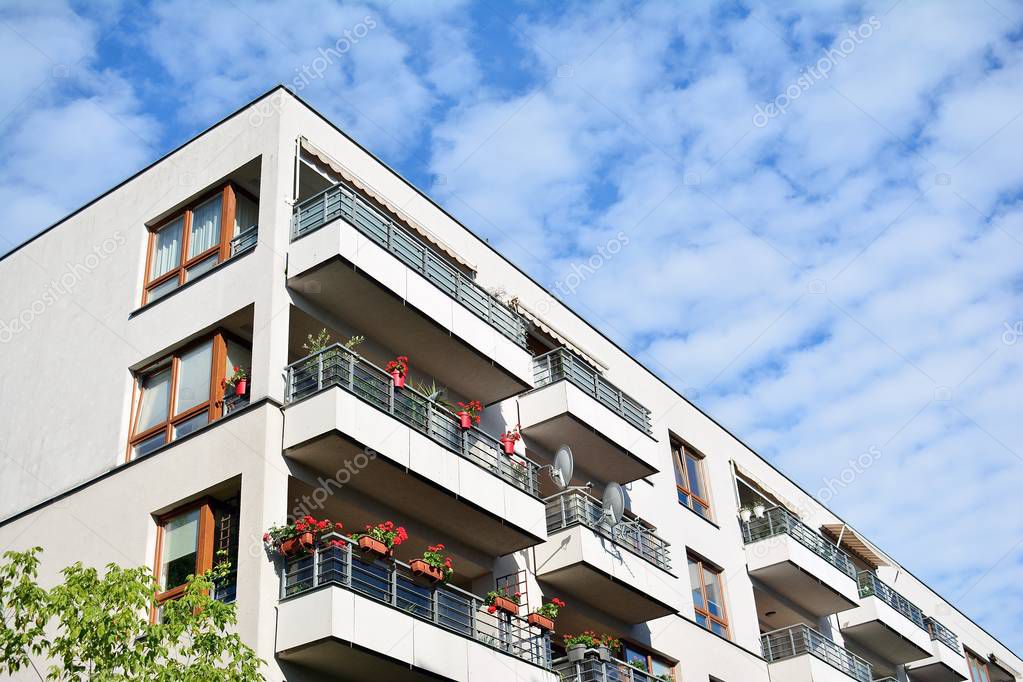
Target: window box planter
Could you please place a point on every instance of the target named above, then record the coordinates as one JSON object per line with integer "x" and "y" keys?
{"x": 542, "y": 622}
{"x": 373, "y": 549}
{"x": 506, "y": 605}
{"x": 576, "y": 653}
{"x": 297, "y": 545}
{"x": 423, "y": 570}
{"x": 464, "y": 419}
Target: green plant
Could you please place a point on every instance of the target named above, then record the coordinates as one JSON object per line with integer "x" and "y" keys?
{"x": 502, "y": 593}
{"x": 612, "y": 643}
{"x": 587, "y": 638}
{"x": 385, "y": 532}
{"x": 550, "y": 609}
{"x": 315, "y": 344}
{"x": 433, "y": 557}
{"x": 474, "y": 409}
{"x": 238, "y": 375}
{"x": 642, "y": 667}
{"x": 276, "y": 535}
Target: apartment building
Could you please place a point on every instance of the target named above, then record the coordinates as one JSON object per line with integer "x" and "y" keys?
{"x": 122, "y": 444}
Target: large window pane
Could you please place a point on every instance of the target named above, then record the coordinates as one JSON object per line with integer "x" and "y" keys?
{"x": 693, "y": 469}
{"x": 246, "y": 213}
{"x": 191, "y": 424}
{"x": 155, "y": 396}
{"x": 713, "y": 594}
{"x": 696, "y": 580}
{"x": 167, "y": 249}
{"x": 180, "y": 549}
{"x": 194, "y": 377}
{"x": 237, "y": 356}
{"x": 205, "y": 232}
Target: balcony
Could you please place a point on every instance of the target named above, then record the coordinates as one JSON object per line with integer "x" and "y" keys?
{"x": 347, "y": 618}
{"x": 947, "y": 664}
{"x": 886, "y": 622}
{"x": 357, "y": 263}
{"x": 339, "y": 406}
{"x": 786, "y": 555}
{"x": 592, "y": 669}
{"x": 572, "y": 403}
{"x": 801, "y": 654}
{"x": 245, "y": 240}
{"x": 622, "y": 571}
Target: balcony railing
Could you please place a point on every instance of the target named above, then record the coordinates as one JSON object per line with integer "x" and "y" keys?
{"x": 800, "y": 640}
{"x": 340, "y": 201}
{"x": 778, "y": 521}
{"x": 940, "y": 633}
{"x": 336, "y": 561}
{"x": 871, "y": 585}
{"x": 245, "y": 240}
{"x": 341, "y": 367}
{"x": 592, "y": 669}
{"x": 572, "y": 507}
{"x": 561, "y": 364}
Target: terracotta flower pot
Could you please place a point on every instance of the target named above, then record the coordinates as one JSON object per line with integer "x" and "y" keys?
{"x": 576, "y": 653}
{"x": 398, "y": 378}
{"x": 464, "y": 420}
{"x": 297, "y": 545}
{"x": 506, "y": 605}
{"x": 241, "y": 386}
{"x": 373, "y": 548}
{"x": 542, "y": 622}
{"x": 421, "y": 569}
{"x": 509, "y": 446}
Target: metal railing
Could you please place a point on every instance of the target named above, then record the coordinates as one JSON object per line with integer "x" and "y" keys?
{"x": 245, "y": 240}
{"x": 571, "y": 507}
{"x": 871, "y": 585}
{"x": 336, "y": 561}
{"x": 341, "y": 367}
{"x": 341, "y": 201}
{"x": 940, "y": 633}
{"x": 592, "y": 669}
{"x": 561, "y": 364}
{"x": 778, "y": 521}
{"x": 800, "y": 640}
{"x": 233, "y": 403}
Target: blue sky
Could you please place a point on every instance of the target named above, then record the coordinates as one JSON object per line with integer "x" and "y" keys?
{"x": 813, "y": 211}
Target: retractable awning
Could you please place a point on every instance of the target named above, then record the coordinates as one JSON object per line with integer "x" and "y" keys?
{"x": 854, "y": 543}
{"x": 364, "y": 188}
{"x": 563, "y": 339}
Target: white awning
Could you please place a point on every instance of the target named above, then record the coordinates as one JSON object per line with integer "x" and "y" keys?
{"x": 557, "y": 335}
{"x": 851, "y": 541}
{"x": 352, "y": 179}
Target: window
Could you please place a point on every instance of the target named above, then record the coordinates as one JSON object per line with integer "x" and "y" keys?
{"x": 708, "y": 596}
{"x": 978, "y": 669}
{"x": 689, "y": 479}
{"x": 188, "y": 541}
{"x": 652, "y": 663}
{"x": 195, "y": 241}
{"x": 182, "y": 392}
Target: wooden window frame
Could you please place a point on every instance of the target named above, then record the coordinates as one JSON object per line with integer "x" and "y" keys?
{"x": 679, "y": 448}
{"x": 213, "y": 405}
{"x": 975, "y": 661}
{"x": 722, "y": 620}
{"x": 650, "y": 656}
{"x": 221, "y": 251}
{"x": 204, "y": 549}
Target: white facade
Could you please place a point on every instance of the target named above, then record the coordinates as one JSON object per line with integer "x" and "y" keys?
{"x": 342, "y": 443}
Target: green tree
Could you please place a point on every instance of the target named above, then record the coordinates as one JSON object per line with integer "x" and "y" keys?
{"x": 97, "y": 627}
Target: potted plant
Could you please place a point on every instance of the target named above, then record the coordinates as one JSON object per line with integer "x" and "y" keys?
{"x": 576, "y": 645}
{"x": 759, "y": 509}
{"x": 608, "y": 646}
{"x": 239, "y": 380}
{"x": 398, "y": 369}
{"x": 434, "y": 566}
{"x": 469, "y": 414}
{"x": 745, "y": 513}
{"x": 299, "y": 537}
{"x": 379, "y": 541}
{"x": 544, "y": 616}
{"x": 503, "y": 600}
{"x": 508, "y": 440}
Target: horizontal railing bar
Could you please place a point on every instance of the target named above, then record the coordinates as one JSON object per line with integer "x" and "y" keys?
{"x": 778, "y": 521}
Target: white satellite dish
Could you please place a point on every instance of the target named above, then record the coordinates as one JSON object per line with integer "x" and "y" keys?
{"x": 614, "y": 503}
{"x": 563, "y": 467}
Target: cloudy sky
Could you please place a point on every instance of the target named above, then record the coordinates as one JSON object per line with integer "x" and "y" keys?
{"x": 815, "y": 211}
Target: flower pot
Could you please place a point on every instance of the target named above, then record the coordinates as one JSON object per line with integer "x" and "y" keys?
{"x": 745, "y": 515}
{"x": 604, "y": 653}
{"x": 576, "y": 653}
{"x": 398, "y": 378}
{"x": 421, "y": 569}
{"x": 508, "y": 445}
{"x": 506, "y": 605}
{"x": 373, "y": 549}
{"x": 297, "y": 545}
{"x": 758, "y": 511}
{"x": 542, "y": 622}
{"x": 464, "y": 420}
{"x": 241, "y": 386}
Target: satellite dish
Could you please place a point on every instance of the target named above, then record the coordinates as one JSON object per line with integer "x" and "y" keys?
{"x": 614, "y": 503}
{"x": 563, "y": 467}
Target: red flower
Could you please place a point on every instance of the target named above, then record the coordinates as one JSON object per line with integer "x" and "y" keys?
{"x": 266, "y": 537}
{"x": 491, "y": 609}
{"x": 338, "y": 526}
